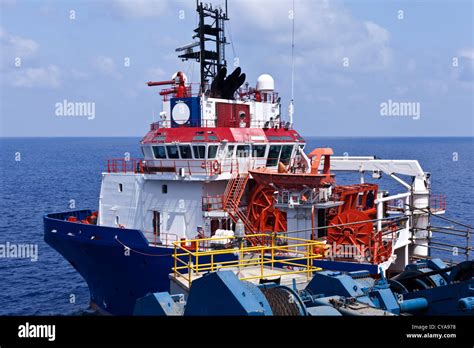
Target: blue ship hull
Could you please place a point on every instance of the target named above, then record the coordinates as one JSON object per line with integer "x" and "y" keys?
{"x": 116, "y": 278}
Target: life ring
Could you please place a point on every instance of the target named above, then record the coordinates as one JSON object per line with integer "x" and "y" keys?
{"x": 203, "y": 165}
{"x": 121, "y": 226}
{"x": 216, "y": 166}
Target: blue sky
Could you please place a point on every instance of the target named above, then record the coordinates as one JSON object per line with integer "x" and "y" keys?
{"x": 401, "y": 51}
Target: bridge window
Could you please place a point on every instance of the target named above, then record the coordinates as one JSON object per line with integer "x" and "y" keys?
{"x": 172, "y": 151}
{"x": 185, "y": 151}
{"x": 243, "y": 150}
{"x": 286, "y": 154}
{"x": 212, "y": 151}
{"x": 280, "y": 138}
{"x": 199, "y": 151}
{"x": 120, "y": 187}
{"x": 147, "y": 151}
{"x": 273, "y": 155}
{"x": 259, "y": 150}
{"x": 159, "y": 152}
{"x": 230, "y": 151}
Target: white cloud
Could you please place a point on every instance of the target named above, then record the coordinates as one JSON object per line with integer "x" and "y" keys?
{"x": 7, "y": 2}
{"x": 465, "y": 70}
{"x": 23, "y": 75}
{"x": 467, "y": 53}
{"x": 49, "y": 77}
{"x": 153, "y": 8}
{"x": 13, "y": 46}
{"x": 78, "y": 74}
{"x": 142, "y": 8}
{"x": 325, "y": 32}
{"x": 157, "y": 74}
{"x": 106, "y": 66}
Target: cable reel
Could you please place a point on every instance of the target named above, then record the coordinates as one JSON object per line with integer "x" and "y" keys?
{"x": 284, "y": 301}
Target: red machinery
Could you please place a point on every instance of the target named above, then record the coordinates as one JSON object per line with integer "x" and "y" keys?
{"x": 262, "y": 213}
{"x": 350, "y": 223}
{"x": 179, "y": 89}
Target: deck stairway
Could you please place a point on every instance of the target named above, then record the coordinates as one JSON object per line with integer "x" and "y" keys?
{"x": 232, "y": 197}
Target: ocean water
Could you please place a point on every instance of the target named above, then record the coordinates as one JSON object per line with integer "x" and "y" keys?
{"x": 43, "y": 175}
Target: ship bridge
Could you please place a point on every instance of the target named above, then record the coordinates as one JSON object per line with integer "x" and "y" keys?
{"x": 217, "y": 150}
{"x": 227, "y": 129}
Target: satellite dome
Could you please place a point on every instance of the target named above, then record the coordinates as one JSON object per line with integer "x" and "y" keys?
{"x": 265, "y": 83}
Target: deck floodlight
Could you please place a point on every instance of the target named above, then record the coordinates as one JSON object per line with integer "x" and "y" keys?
{"x": 239, "y": 229}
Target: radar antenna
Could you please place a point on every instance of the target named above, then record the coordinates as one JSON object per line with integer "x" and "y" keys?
{"x": 210, "y": 31}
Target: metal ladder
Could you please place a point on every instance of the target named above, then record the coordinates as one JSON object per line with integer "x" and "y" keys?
{"x": 232, "y": 197}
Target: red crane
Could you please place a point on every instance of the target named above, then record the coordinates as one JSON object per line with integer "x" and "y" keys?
{"x": 179, "y": 88}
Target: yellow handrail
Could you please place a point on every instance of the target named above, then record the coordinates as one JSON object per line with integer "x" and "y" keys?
{"x": 201, "y": 258}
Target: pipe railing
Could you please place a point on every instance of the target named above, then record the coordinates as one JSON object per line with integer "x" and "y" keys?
{"x": 212, "y": 203}
{"x": 207, "y": 167}
{"x": 215, "y": 122}
{"x": 195, "y": 257}
{"x": 456, "y": 247}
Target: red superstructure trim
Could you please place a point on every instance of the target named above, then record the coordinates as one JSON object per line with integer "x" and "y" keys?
{"x": 218, "y": 134}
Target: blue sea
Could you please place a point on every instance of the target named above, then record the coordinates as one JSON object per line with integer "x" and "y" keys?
{"x": 43, "y": 175}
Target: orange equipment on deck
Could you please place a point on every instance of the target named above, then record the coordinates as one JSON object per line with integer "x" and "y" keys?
{"x": 262, "y": 213}
{"x": 350, "y": 224}
{"x": 267, "y": 177}
{"x": 316, "y": 155}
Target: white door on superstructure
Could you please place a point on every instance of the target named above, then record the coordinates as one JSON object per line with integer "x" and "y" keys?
{"x": 177, "y": 225}
{"x": 156, "y": 222}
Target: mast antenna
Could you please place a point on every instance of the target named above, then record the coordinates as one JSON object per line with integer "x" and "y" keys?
{"x": 291, "y": 108}
{"x": 209, "y": 49}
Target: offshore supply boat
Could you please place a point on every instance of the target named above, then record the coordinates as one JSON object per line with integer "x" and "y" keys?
{"x": 222, "y": 160}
